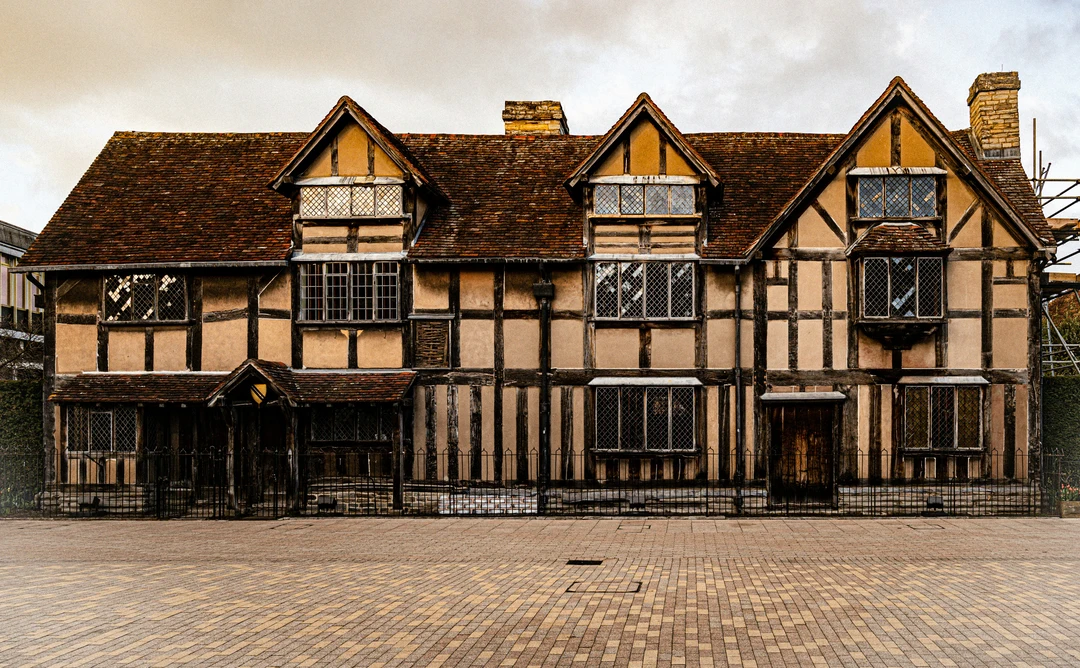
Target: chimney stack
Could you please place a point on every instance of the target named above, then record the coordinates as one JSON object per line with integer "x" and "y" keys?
{"x": 995, "y": 119}
{"x": 544, "y": 117}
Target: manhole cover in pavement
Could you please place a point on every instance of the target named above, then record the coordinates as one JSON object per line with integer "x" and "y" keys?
{"x": 584, "y": 562}
{"x": 605, "y": 587}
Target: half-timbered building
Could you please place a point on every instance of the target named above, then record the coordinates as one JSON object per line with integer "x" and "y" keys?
{"x": 781, "y": 314}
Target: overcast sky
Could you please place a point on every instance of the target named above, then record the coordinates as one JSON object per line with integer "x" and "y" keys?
{"x": 72, "y": 73}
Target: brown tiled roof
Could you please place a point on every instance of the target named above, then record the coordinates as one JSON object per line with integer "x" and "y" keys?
{"x": 759, "y": 172}
{"x": 1007, "y": 174}
{"x": 897, "y": 238}
{"x": 143, "y": 387}
{"x": 169, "y": 198}
{"x": 506, "y": 196}
{"x": 323, "y": 386}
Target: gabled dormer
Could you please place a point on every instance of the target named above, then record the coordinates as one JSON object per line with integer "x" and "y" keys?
{"x": 352, "y": 171}
{"x": 643, "y": 188}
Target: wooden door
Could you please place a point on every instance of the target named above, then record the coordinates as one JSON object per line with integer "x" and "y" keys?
{"x": 801, "y": 451}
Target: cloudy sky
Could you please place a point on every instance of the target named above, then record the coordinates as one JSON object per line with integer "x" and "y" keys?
{"x": 74, "y": 72}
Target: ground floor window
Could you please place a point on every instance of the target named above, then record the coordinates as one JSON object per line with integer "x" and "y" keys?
{"x": 96, "y": 429}
{"x": 638, "y": 419}
{"x": 942, "y": 417}
{"x": 351, "y": 423}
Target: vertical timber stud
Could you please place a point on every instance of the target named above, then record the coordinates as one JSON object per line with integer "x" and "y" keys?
{"x": 826, "y": 315}
{"x": 455, "y": 324}
{"x": 544, "y": 291}
{"x": 760, "y": 346}
{"x": 48, "y": 365}
{"x": 987, "y": 292}
{"x": 740, "y": 468}
{"x": 567, "y": 414}
{"x": 102, "y": 345}
{"x": 874, "y": 469}
{"x": 398, "y": 500}
{"x": 793, "y": 314}
{"x": 497, "y": 404}
{"x": 1034, "y": 398}
{"x": 253, "y": 317}
{"x": 521, "y": 434}
{"x": 476, "y": 432}
{"x": 852, "y": 277}
{"x": 452, "y": 432}
{"x": 1009, "y": 459}
{"x": 353, "y": 356}
{"x": 297, "y": 333}
{"x": 431, "y": 462}
{"x": 195, "y": 332}
{"x": 894, "y": 139}
{"x": 148, "y": 349}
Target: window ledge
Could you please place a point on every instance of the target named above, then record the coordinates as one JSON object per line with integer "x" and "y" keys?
{"x": 899, "y": 334}
{"x": 147, "y": 323}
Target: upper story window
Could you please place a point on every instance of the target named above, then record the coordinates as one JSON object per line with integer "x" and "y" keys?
{"x": 902, "y": 287}
{"x": 101, "y": 430}
{"x": 348, "y": 291}
{"x": 897, "y": 196}
{"x": 652, "y": 419}
{"x": 942, "y": 417}
{"x": 645, "y": 290}
{"x": 351, "y": 201}
{"x": 643, "y": 200}
{"x": 145, "y": 297}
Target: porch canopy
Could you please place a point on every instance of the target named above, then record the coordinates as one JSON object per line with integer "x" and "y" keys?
{"x": 275, "y": 381}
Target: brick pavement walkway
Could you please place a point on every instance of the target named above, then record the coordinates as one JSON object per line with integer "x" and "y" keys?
{"x": 500, "y": 592}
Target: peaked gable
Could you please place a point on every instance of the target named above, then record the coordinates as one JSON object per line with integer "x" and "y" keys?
{"x": 630, "y": 122}
{"x": 383, "y": 143}
{"x": 897, "y": 94}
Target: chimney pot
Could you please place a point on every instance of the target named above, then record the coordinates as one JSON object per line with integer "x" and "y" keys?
{"x": 544, "y": 117}
{"x": 995, "y": 117}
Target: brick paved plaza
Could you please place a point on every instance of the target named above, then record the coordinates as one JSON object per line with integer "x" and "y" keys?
{"x": 500, "y": 592}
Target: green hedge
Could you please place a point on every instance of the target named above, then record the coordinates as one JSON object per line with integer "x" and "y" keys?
{"x": 1061, "y": 415}
{"x": 22, "y": 456}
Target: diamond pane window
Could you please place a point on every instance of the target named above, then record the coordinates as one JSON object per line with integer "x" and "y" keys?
{"x": 344, "y": 423}
{"x": 942, "y": 416}
{"x": 902, "y": 291}
{"x": 656, "y": 293}
{"x": 322, "y": 424}
{"x": 632, "y": 418}
{"x": 607, "y": 290}
{"x": 388, "y": 200}
{"x": 78, "y": 425}
{"x": 126, "y": 426}
{"x": 968, "y": 412}
{"x": 313, "y": 201}
{"x": 632, "y": 200}
{"x": 348, "y": 423}
{"x": 916, "y": 416}
{"x": 682, "y": 418}
{"x": 923, "y": 196}
{"x": 607, "y": 418}
{"x": 632, "y": 281}
{"x": 897, "y": 196}
{"x": 871, "y": 198}
{"x": 101, "y": 431}
{"x": 929, "y": 287}
{"x": 344, "y": 291}
{"x": 682, "y": 290}
{"x": 656, "y": 200}
{"x": 682, "y": 200}
{"x": 367, "y": 423}
{"x": 653, "y": 290}
{"x": 876, "y": 287}
{"x": 338, "y": 201}
{"x": 606, "y": 200}
{"x": 645, "y": 419}
{"x": 363, "y": 201}
{"x": 145, "y": 297}
{"x": 657, "y": 412}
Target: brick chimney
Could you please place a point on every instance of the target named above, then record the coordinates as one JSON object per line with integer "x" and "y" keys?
{"x": 995, "y": 120}
{"x": 544, "y": 117}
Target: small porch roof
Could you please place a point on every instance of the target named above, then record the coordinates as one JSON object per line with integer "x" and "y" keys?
{"x": 319, "y": 386}
{"x": 152, "y": 387}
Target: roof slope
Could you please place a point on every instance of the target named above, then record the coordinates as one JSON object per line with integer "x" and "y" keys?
{"x": 506, "y": 196}
{"x": 174, "y": 197}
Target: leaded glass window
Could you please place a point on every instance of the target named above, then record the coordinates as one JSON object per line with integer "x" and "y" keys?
{"x": 645, "y": 419}
{"x": 942, "y": 417}
{"x": 144, "y": 297}
{"x": 348, "y": 423}
{"x": 101, "y": 430}
{"x": 904, "y": 287}
{"x": 352, "y": 201}
{"x": 897, "y": 196}
{"x": 648, "y": 200}
{"x": 349, "y": 291}
{"x": 644, "y": 290}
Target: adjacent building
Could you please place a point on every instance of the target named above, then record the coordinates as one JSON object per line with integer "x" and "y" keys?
{"x": 796, "y": 314}
{"x": 20, "y": 308}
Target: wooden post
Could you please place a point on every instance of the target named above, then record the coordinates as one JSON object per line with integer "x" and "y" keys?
{"x": 545, "y": 293}
{"x": 399, "y": 461}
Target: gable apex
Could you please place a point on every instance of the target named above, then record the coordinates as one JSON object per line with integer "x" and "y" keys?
{"x": 643, "y": 106}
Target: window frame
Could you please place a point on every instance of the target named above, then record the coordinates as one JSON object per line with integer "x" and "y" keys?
{"x": 621, "y": 391}
{"x": 89, "y": 410}
{"x": 180, "y": 279}
{"x": 957, "y": 418}
{"x": 352, "y": 294}
{"x": 620, "y": 213}
{"x": 375, "y": 188}
{"x": 890, "y": 317}
{"x": 385, "y": 419}
{"x": 644, "y": 317}
{"x": 910, "y": 215}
